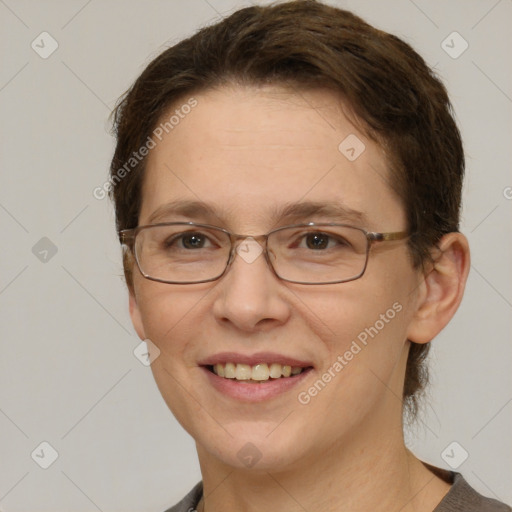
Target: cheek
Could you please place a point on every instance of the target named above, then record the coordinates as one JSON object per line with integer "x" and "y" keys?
{"x": 362, "y": 361}
{"x": 364, "y": 331}
{"x": 169, "y": 320}
{"x": 164, "y": 314}
{"x": 355, "y": 315}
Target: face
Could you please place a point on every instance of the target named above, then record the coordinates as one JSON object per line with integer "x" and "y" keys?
{"x": 247, "y": 152}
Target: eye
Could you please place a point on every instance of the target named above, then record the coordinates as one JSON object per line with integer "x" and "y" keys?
{"x": 187, "y": 240}
{"x": 316, "y": 240}
{"x": 320, "y": 241}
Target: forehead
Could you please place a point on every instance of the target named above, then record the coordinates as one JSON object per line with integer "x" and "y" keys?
{"x": 249, "y": 153}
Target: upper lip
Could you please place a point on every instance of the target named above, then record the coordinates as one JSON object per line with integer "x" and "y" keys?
{"x": 252, "y": 359}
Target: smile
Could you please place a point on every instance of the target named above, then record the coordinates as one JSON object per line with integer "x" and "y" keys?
{"x": 256, "y": 373}
{"x": 254, "y": 377}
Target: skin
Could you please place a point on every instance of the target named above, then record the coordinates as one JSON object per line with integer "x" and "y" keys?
{"x": 245, "y": 150}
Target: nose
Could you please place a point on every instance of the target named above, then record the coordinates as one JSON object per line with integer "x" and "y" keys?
{"x": 251, "y": 296}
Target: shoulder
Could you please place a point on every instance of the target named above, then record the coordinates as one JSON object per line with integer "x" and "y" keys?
{"x": 190, "y": 501}
{"x": 463, "y": 498}
{"x": 460, "y": 498}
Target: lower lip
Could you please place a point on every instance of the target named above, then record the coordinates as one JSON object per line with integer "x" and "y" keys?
{"x": 252, "y": 392}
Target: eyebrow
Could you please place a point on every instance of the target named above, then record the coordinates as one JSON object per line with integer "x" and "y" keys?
{"x": 199, "y": 210}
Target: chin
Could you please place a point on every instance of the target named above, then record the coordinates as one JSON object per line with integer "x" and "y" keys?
{"x": 254, "y": 457}
{"x": 254, "y": 446}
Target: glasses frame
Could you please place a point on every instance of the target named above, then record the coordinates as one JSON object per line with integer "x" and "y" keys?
{"x": 127, "y": 237}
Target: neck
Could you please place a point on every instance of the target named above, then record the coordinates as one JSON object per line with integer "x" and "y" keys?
{"x": 371, "y": 471}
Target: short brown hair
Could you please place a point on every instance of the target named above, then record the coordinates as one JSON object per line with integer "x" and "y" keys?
{"x": 306, "y": 44}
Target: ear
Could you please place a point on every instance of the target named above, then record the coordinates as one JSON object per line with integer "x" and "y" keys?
{"x": 442, "y": 288}
{"x": 136, "y": 315}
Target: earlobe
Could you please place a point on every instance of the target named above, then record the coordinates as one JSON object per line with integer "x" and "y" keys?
{"x": 136, "y": 315}
{"x": 442, "y": 289}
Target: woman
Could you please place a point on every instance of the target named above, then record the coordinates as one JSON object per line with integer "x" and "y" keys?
{"x": 287, "y": 186}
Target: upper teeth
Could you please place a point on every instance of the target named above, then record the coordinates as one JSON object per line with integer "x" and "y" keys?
{"x": 261, "y": 371}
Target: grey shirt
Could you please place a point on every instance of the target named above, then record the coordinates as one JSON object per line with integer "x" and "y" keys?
{"x": 460, "y": 498}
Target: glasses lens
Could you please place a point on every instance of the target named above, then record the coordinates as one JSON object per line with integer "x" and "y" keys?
{"x": 318, "y": 254}
{"x": 182, "y": 253}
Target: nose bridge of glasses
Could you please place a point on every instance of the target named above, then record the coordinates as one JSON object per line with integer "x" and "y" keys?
{"x": 247, "y": 247}
{"x": 241, "y": 243}
{"x": 237, "y": 238}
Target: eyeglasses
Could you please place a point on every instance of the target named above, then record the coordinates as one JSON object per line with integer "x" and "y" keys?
{"x": 189, "y": 253}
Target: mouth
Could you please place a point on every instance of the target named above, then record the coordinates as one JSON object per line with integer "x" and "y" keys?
{"x": 254, "y": 378}
{"x": 258, "y": 373}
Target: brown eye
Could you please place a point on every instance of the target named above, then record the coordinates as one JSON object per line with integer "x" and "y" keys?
{"x": 190, "y": 240}
{"x": 320, "y": 241}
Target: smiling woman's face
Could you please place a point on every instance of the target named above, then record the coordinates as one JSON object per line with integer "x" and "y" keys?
{"x": 248, "y": 152}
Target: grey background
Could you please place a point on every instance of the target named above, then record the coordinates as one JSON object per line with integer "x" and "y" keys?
{"x": 68, "y": 375}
